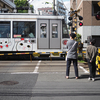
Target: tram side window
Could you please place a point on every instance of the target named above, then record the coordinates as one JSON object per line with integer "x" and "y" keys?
{"x": 4, "y": 29}
{"x": 54, "y": 30}
{"x": 43, "y": 28}
{"x": 24, "y": 29}
{"x": 65, "y": 33}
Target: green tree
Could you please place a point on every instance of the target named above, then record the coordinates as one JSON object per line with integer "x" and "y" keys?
{"x": 78, "y": 37}
{"x": 22, "y": 3}
{"x": 31, "y": 6}
{"x": 80, "y": 44}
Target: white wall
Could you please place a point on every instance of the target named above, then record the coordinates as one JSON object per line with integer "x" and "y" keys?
{"x": 88, "y": 31}
{"x": 95, "y": 30}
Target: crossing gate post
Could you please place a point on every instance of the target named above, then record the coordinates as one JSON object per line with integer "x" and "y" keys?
{"x": 31, "y": 58}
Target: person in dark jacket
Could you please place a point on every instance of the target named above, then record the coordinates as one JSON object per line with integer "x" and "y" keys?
{"x": 72, "y": 55}
{"x": 91, "y": 54}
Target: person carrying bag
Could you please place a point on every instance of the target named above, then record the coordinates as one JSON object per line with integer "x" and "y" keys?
{"x": 72, "y": 55}
{"x": 70, "y": 49}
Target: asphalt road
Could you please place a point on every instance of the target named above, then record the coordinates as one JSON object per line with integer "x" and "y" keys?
{"x": 45, "y": 80}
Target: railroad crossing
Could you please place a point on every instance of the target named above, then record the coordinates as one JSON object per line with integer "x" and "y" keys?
{"x": 45, "y": 80}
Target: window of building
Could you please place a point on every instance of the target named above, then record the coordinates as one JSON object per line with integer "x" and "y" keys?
{"x": 24, "y": 29}
{"x": 54, "y": 30}
{"x": 65, "y": 33}
{"x": 95, "y": 7}
{"x": 43, "y": 28}
{"x": 4, "y": 29}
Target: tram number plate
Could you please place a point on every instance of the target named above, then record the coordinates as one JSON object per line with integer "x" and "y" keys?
{"x": 55, "y": 54}
{"x": 36, "y": 54}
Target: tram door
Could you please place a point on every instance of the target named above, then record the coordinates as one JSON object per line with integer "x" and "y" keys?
{"x": 43, "y": 34}
{"x": 55, "y": 31}
{"x": 49, "y": 34}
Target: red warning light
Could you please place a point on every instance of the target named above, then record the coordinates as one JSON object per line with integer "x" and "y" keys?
{"x": 80, "y": 24}
{"x": 98, "y": 17}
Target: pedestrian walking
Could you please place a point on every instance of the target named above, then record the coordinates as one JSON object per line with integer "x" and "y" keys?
{"x": 72, "y": 55}
{"x": 91, "y": 54}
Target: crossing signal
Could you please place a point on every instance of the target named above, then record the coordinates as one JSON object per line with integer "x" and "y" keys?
{"x": 70, "y": 23}
{"x": 98, "y": 15}
{"x": 80, "y": 24}
{"x": 70, "y": 18}
{"x": 80, "y": 18}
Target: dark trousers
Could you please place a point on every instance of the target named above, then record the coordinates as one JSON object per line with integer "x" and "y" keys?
{"x": 68, "y": 66}
{"x": 92, "y": 68}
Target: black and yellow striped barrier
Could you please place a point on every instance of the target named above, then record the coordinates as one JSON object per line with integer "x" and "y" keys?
{"x": 32, "y": 53}
{"x": 84, "y": 52}
{"x": 36, "y": 53}
{"x": 3, "y": 54}
{"x": 98, "y": 69}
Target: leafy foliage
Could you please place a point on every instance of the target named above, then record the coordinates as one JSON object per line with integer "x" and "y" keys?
{"x": 78, "y": 37}
{"x": 22, "y": 3}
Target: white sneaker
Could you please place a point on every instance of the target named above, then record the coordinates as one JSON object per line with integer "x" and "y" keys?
{"x": 89, "y": 78}
{"x": 93, "y": 79}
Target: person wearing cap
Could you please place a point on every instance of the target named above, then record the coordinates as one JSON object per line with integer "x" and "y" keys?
{"x": 72, "y": 55}
{"x": 91, "y": 53}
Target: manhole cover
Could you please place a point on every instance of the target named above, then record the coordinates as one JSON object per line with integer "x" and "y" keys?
{"x": 9, "y": 82}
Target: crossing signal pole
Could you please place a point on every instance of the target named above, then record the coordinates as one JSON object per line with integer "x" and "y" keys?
{"x": 73, "y": 20}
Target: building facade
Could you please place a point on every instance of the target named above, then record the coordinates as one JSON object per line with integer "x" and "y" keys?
{"x": 45, "y": 11}
{"x": 59, "y": 7}
{"x": 7, "y": 6}
{"x": 91, "y": 26}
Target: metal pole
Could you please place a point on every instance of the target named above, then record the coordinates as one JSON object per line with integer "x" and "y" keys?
{"x": 31, "y": 58}
{"x": 76, "y": 23}
{"x": 54, "y": 7}
{"x": 72, "y": 26}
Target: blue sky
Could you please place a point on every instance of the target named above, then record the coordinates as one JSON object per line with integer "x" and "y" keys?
{"x": 41, "y": 3}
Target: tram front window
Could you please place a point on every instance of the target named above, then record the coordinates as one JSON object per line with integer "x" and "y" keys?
{"x": 65, "y": 33}
{"x": 24, "y": 29}
{"x": 4, "y": 29}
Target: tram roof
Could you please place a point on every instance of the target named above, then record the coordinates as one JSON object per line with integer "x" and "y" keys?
{"x": 29, "y": 15}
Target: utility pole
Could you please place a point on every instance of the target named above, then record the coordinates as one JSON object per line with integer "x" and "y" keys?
{"x": 54, "y": 7}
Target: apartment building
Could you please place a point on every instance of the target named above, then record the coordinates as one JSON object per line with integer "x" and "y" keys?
{"x": 91, "y": 26}
{"x": 45, "y": 11}
{"x": 59, "y": 7}
{"x": 7, "y": 6}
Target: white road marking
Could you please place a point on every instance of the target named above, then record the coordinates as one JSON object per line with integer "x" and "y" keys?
{"x": 85, "y": 71}
{"x": 23, "y": 73}
{"x": 34, "y": 72}
{"x": 37, "y": 67}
